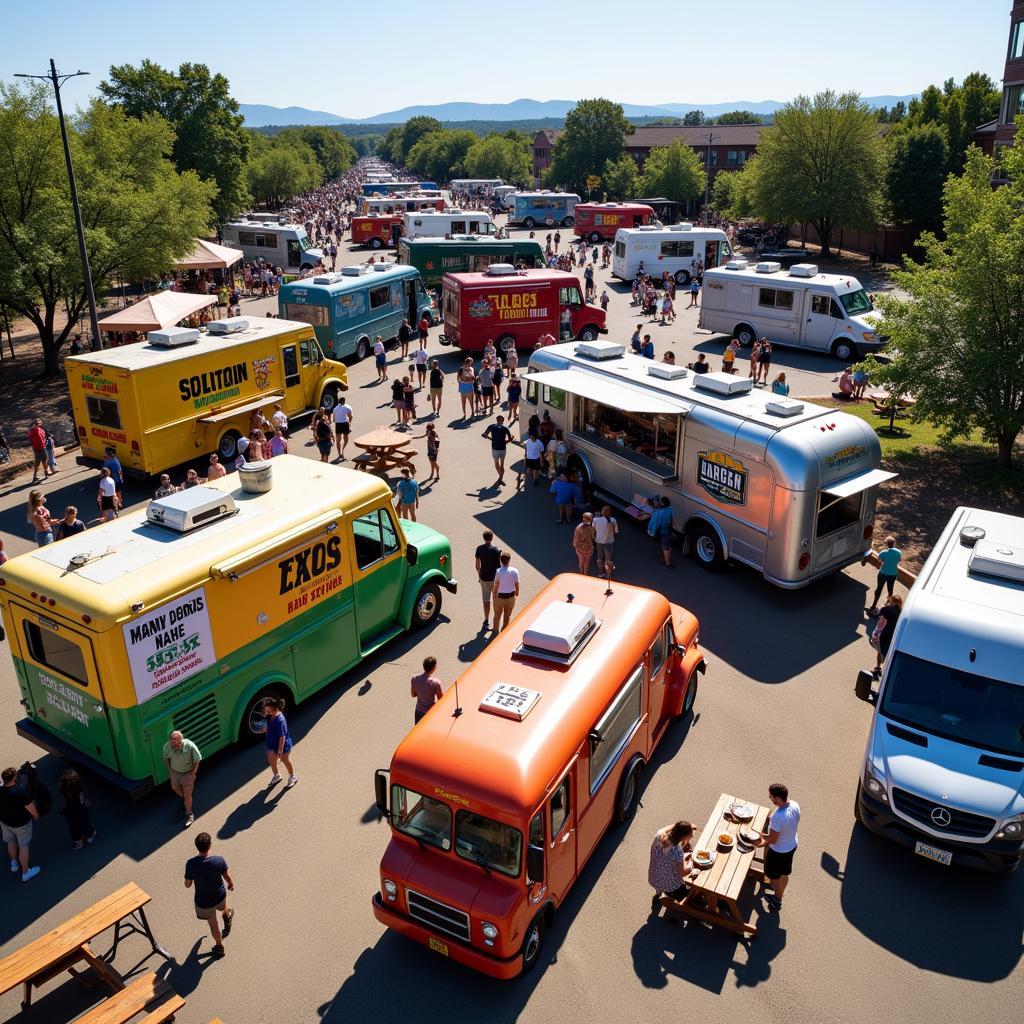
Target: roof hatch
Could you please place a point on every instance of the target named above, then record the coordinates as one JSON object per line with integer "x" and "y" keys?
{"x": 722, "y": 383}
{"x": 172, "y": 337}
{"x": 187, "y": 510}
{"x": 230, "y": 325}
{"x": 768, "y": 267}
{"x": 803, "y": 270}
{"x": 600, "y": 349}
{"x": 560, "y": 632}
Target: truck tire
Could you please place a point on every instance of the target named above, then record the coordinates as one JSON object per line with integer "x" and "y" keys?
{"x": 252, "y": 714}
{"x": 329, "y": 398}
{"x": 594, "y": 236}
{"x": 529, "y": 223}
{"x": 568, "y": 222}
{"x": 745, "y": 335}
{"x": 844, "y": 350}
{"x": 706, "y": 548}
{"x": 577, "y": 465}
{"x": 362, "y": 349}
{"x": 505, "y": 342}
{"x": 533, "y": 943}
{"x": 376, "y": 243}
{"x": 691, "y": 694}
{"x": 589, "y": 333}
{"x": 629, "y": 791}
{"x": 427, "y": 606}
{"x": 682, "y": 278}
{"x": 227, "y": 446}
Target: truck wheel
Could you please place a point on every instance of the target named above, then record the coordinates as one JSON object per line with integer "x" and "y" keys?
{"x": 253, "y": 714}
{"x": 568, "y": 222}
{"x": 682, "y": 277}
{"x": 843, "y": 350}
{"x": 529, "y": 223}
{"x": 706, "y": 548}
{"x": 691, "y": 694}
{"x": 576, "y": 465}
{"x": 362, "y": 349}
{"x": 329, "y": 399}
{"x": 594, "y": 236}
{"x": 533, "y": 943}
{"x": 745, "y": 335}
{"x": 588, "y": 333}
{"x": 227, "y": 447}
{"x": 427, "y": 607}
{"x": 376, "y": 243}
{"x": 629, "y": 792}
{"x": 505, "y": 342}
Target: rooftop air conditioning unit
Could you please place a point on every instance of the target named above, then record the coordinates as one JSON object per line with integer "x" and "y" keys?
{"x": 500, "y": 269}
{"x": 188, "y": 510}
{"x": 560, "y": 628}
{"x": 600, "y": 349}
{"x": 737, "y": 265}
{"x": 997, "y": 558}
{"x": 667, "y": 371}
{"x": 784, "y": 407}
{"x": 230, "y": 325}
{"x": 653, "y": 227}
{"x": 383, "y": 265}
{"x": 682, "y": 226}
{"x": 172, "y": 337}
{"x": 722, "y": 383}
{"x": 352, "y": 271}
{"x": 768, "y": 267}
{"x": 803, "y": 270}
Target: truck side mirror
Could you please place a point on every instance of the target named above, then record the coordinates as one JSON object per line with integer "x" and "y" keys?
{"x": 412, "y": 554}
{"x": 380, "y": 790}
{"x": 862, "y": 688}
{"x": 535, "y": 864}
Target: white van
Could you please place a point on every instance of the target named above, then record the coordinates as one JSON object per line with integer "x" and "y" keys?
{"x": 284, "y": 245}
{"x": 675, "y": 248}
{"x": 944, "y": 763}
{"x": 799, "y": 307}
{"x": 449, "y": 222}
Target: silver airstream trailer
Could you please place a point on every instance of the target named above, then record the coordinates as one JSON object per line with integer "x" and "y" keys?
{"x": 784, "y": 486}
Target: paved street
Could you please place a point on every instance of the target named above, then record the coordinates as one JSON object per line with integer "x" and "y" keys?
{"x": 867, "y": 928}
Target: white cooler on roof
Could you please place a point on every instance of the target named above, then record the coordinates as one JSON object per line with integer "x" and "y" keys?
{"x": 172, "y": 337}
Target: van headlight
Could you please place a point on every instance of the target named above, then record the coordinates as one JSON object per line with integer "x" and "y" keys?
{"x": 1012, "y": 829}
{"x": 390, "y": 889}
{"x": 869, "y": 336}
{"x": 490, "y": 931}
{"x": 874, "y": 783}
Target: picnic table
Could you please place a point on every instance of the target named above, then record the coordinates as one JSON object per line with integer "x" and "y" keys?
{"x": 384, "y": 449}
{"x": 714, "y": 893}
{"x": 67, "y": 945}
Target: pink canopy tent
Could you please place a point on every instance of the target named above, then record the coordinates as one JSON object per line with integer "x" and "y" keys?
{"x": 153, "y": 313}
{"x": 209, "y": 256}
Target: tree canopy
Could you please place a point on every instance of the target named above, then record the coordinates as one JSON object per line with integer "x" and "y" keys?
{"x": 497, "y": 156}
{"x": 595, "y": 132}
{"x": 440, "y": 155}
{"x": 333, "y": 152}
{"x": 621, "y": 178}
{"x": 914, "y": 176}
{"x": 675, "y": 172}
{"x": 282, "y": 167}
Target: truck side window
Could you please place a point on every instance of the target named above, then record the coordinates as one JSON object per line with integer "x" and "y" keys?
{"x": 290, "y": 361}
{"x": 104, "y": 412}
{"x": 560, "y": 807}
{"x": 380, "y": 296}
{"x": 537, "y": 830}
{"x": 366, "y": 533}
{"x": 820, "y": 305}
{"x": 388, "y": 533}
{"x": 310, "y": 353}
{"x": 56, "y": 652}
{"x": 658, "y": 654}
{"x": 837, "y": 311}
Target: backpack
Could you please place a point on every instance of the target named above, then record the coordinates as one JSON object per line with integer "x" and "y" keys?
{"x": 38, "y": 792}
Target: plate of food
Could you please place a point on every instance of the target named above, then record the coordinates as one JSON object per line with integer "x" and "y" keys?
{"x": 741, "y": 811}
{"x": 725, "y": 841}
{"x": 750, "y": 836}
{"x": 704, "y": 858}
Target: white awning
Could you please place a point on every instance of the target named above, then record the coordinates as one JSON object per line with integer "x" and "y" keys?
{"x": 858, "y": 483}
{"x": 608, "y": 392}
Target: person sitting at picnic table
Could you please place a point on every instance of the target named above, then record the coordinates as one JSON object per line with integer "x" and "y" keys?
{"x": 671, "y": 861}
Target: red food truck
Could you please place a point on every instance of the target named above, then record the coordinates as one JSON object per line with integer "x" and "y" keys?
{"x": 515, "y": 308}
{"x": 377, "y": 230}
{"x": 599, "y": 221}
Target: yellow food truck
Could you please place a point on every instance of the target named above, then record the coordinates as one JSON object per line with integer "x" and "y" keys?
{"x": 188, "y": 613}
{"x": 184, "y": 393}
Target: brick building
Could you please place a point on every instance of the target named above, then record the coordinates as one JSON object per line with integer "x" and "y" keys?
{"x": 989, "y": 137}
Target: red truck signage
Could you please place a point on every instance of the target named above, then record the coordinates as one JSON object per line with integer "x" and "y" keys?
{"x": 600, "y": 221}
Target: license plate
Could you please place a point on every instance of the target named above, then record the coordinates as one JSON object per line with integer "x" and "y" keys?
{"x": 932, "y": 853}
{"x": 439, "y": 947}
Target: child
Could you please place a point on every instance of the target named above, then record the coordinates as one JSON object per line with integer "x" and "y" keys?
{"x": 76, "y": 809}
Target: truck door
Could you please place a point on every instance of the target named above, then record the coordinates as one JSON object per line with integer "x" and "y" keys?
{"x": 64, "y": 690}
{"x": 310, "y": 357}
{"x": 823, "y": 315}
{"x": 661, "y": 689}
{"x": 561, "y": 864}
{"x": 294, "y": 393}
{"x": 294, "y": 253}
{"x": 571, "y": 297}
{"x": 380, "y": 573}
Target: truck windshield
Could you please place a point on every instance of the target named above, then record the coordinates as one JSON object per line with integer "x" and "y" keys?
{"x": 856, "y": 302}
{"x": 421, "y": 817}
{"x": 304, "y": 243}
{"x": 487, "y": 842}
{"x": 956, "y": 705}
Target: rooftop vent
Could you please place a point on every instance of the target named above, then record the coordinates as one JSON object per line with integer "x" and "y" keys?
{"x": 383, "y": 265}
{"x": 784, "y": 407}
{"x": 681, "y": 226}
{"x": 500, "y": 269}
{"x": 345, "y": 271}
{"x": 722, "y": 383}
{"x": 230, "y": 325}
{"x": 803, "y": 270}
{"x": 559, "y": 632}
{"x": 970, "y": 535}
{"x": 667, "y": 371}
{"x": 600, "y": 349}
{"x": 996, "y": 558}
{"x": 172, "y": 337}
{"x": 768, "y": 267}
{"x": 187, "y": 510}
{"x": 737, "y": 265}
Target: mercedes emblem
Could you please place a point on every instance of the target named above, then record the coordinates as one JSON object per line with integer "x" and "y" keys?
{"x": 941, "y": 817}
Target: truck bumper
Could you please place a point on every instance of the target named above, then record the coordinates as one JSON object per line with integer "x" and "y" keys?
{"x": 29, "y": 730}
{"x": 998, "y": 855}
{"x": 453, "y": 949}
{"x": 452, "y": 586}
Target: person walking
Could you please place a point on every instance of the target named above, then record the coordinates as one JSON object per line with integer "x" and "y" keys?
{"x": 500, "y": 436}
{"x": 888, "y": 571}
{"x": 605, "y": 529}
{"x": 660, "y": 527}
{"x": 37, "y": 442}
{"x": 407, "y": 491}
{"x": 534, "y": 447}
{"x": 421, "y": 359}
{"x": 505, "y": 591}
{"x": 212, "y": 880}
{"x": 487, "y": 558}
{"x": 671, "y": 862}
{"x": 433, "y": 446}
{"x": 343, "y": 417}
{"x": 436, "y": 387}
{"x": 40, "y": 518}
{"x": 781, "y": 842}
{"x": 583, "y": 542}
{"x": 322, "y": 431}
{"x": 424, "y": 329}
{"x": 113, "y": 463}
{"x": 181, "y": 759}
{"x": 404, "y": 337}
{"x": 885, "y": 627}
{"x": 76, "y": 809}
{"x": 380, "y": 357}
{"x": 278, "y": 741}
{"x": 426, "y": 688}
{"x": 466, "y": 377}
{"x": 70, "y": 525}
{"x": 17, "y": 814}
{"x": 514, "y": 396}
{"x": 694, "y": 290}
{"x": 106, "y": 496}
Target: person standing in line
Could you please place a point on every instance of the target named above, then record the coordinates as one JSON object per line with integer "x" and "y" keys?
{"x": 40, "y": 518}
{"x": 764, "y": 362}
{"x": 181, "y": 759}
{"x": 212, "y": 882}
{"x": 466, "y": 392}
{"x": 17, "y": 813}
{"x": 106, "y": 496}
{"x": 408, "y": 492}
{"x": 670, "y": 864}
{"x": 280, "y": 420}
{"x": 216, "y": 468}
{"x": 514, "y": 396}
{"x": 70, "y": 525}
{"x": 781, "y": 842}
{"x": 37, "y": 441}
{"x": 76, "y": 809}
{"x": 278, "y": 741}
{"x": 404, "y": 337}
{"x": 488, "y": 558}
{"x": 562, "y": 489}
{"x": 380, "y": 357}
{"x": 583, "y": 541}
{"x": 499, "y": 376}
{"x": 426, "y": 688}
{"x": 660, "y": 527}
{"x": 322, "y": 431}
{"x": 605, "y": 529}
{"x": 436, "y": 387}
{"x": 888, "y": 571}
{"x": 343, "y": 417}
{"x": 500, "y": 436}
{"x": 505, "y": 592}
{"x": 534, "y": 447}
{"x": 421, "y": 359}
{"x": 113, "y": 463}
{"x": 487, "y": 387}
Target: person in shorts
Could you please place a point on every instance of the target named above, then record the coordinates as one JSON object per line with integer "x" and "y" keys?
{"x": 436, "y": 387}
{"x": 17, "y": 813}
{"x": 322, "y": 432}
{"x": 605, "y": 529}
{"x": 380, "y": 356}
{"x": 181, "y": 759}
{"x": 888, "y": 571}
{"x": 210, "y": 876}
{"x": 343, "y": 416}
{"x": 781, "y": 842}
{"x": 408, "y": 492}
{"x": 488, "y": 558}
{"x": 500, "y": 436}
{"x": 534, "y": 456}
{"x": 106, "y": 496}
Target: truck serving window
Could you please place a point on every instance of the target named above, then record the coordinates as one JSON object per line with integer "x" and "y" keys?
{"x": 775, "y": 298}
{"x": 380, "y": 296}
{"x": 837, "y": 513}
{"x": 57, "y": 652}
{"x": 421, "y": 817}
{"x": 488, "y": 842}
{"x": 104, "y": 412}
{"x": 611, "y": 734}
{"x": 956, "y": 705}
{"x": 315, "y": 316}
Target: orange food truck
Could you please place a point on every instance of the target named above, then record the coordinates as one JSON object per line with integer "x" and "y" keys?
{"x": 514, "y": 308}
{"x": 499, "y": 795}
{"x": 377, "y": 230}
{"x": 599, "y": 221}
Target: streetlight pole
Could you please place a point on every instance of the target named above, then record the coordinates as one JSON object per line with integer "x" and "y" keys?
{"x": 707, "y": 176}
{"x": 57, "y": 81}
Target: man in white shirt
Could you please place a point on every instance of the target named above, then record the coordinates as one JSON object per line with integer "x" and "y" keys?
{"x": 605, "y": 529}
{"x": 534, "y": 454}
{"x": 342, "y": 426}
{"x": 280, "y": 420}
{"x": 781, "y": 841}
{"x": 506, "y": 590}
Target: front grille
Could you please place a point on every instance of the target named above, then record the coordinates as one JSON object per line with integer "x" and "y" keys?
{"x": 438, "y": 916}
{"x": 962, "y": 823}
{"x": 200, "y": 723}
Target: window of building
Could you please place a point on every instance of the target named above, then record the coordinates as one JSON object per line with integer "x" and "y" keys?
{"x": 775, "y": 298}
{"x": 641, "y": 436}
{"x": 1016, "y": 41}
{"x": 103, "y": 412}
{"x": 57, "y": 652}
{"x": 1014, "y": 103}
{"x": 380, "y": 296}
{"x": 613, "y": 732}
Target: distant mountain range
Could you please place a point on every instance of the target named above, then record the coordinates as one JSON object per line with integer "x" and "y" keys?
{"x": 259, "y": 115}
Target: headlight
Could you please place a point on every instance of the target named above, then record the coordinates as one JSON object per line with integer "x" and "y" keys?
{"x": 874, "y": 783}
{"x": 869, "y": 336}
{"x": 1013, "y": 829}
{"x": 490, "y": 932}
{"x": 390, "y": 889}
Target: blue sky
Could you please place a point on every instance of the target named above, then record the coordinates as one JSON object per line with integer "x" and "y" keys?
{"x": 361, "y": 59}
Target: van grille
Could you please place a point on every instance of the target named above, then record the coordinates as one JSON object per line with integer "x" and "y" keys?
{"x": 200, "y": 723}
{"x": 438, "y": 916}
{"x": 962, "y": 823}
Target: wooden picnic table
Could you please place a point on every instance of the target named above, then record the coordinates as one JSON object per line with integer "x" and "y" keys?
{"x": 67, "y": 945}
{"x": 714, "y": 893}
{"x": 384, "y": 449}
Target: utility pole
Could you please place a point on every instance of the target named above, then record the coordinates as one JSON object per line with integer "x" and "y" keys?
{"x": 96, "y": 342}
{"x": 707, "y": 176}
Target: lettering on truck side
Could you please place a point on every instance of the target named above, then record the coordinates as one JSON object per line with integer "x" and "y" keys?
{"x": 213, "y": 386}
{"x": 518, "y": 306}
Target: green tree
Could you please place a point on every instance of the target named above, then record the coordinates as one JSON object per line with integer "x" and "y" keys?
{"x": 821, "y": 161}
{"x": 499, "y": 157}
{"x": 915, "y": 173}
{"x": 621, "y": 178}
{"x": 391, "y": 146}
{"x": 957, "y": 340}
{"x": 413, "y": 130}
{"x": 675, "y": 172}
{"x": 282, "y": 168}
{"x": 595, "y": 132}
{"x": 724, "y": 192}
{"x": 694, "y": 118}
{"x": 739, "y": 117}
{"x": 139, "y": 212}
{"x": 334, "y": 153}
{"x": 441, "y": 155}
{"x": 209, "y": 136}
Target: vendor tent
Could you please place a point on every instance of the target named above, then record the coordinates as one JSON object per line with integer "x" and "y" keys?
{"x": 209, "y": 256}
{"x": 153, "y": 313}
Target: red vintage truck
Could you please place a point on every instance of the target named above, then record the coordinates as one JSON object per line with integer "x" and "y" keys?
{"x": 599, "y": 221}
{"x": 377, "y": 230}
{"x": 515, "y": 308}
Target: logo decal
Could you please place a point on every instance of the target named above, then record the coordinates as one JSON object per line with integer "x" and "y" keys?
{"x": 722, "y": 476}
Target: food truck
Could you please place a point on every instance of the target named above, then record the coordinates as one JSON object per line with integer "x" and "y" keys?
{"x": 514, "y": 308}
{"x": 447, "y": 222}
{"x": 675, "y": 248}
{"x": 544, "y": 208}
{"x": 189, "y": 613}
{"x": 185, "y": 393}
{"x": 262, "y": 237}
{"x": 498, "y": 797}
{"x": 598, "y": 222}
{"x": 377, "y": 230}
{"x": 783, "y": 486}
{"x": 464, "y": 254}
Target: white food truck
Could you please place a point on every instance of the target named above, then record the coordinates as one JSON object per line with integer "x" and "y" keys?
{"x": 783, "y": 486}
{"x": 677, "y": 248}
{"x": 944, "y": 763}
{"x": 285, "y": 245}
{"x": 798, "y": 307}
{"x": 450, "y": 222}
